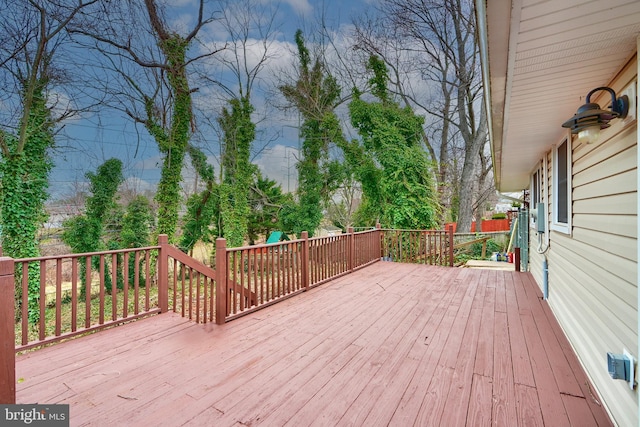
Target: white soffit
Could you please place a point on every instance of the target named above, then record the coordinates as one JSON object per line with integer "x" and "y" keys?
{"x": 543, "y": 58}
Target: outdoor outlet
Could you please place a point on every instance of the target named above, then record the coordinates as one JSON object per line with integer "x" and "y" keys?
{"x": 632, "y": 373}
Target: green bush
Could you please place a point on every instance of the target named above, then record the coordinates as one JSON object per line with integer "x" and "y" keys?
{"x": 475, "y": 252}
{"x": 501, "y": 215}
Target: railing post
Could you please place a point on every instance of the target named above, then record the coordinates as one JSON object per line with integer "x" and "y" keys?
{"x": 379, "y": 240}
{"x": 450, "y": 233}
{"x": 7, "y": 332}
{"x": 221, "y": 280}
{"x": 305, "y": 259}
{"x": 351, "y": 256}
{"x": 163, "y": 274}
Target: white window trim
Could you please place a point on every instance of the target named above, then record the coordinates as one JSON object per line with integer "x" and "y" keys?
{"x": 534, "y": 202}
{"x": 555, "y": 225}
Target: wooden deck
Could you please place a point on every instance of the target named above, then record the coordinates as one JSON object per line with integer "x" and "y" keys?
{"x": 391, "y": 344}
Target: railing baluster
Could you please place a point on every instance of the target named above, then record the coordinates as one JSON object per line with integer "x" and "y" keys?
{"x": 43, "y": 298}
{"x": 190, "y": 293}
{"x": 25, "y": 303}
{"x": 136, "y": 283}
{"x": 102, "y": 284}
{"x": 74, "y": 294}
{"x": 197, "y": 296}
{"x": 262, "y": 281}
{"x": 147, "y": 281}
{"x": 87, "y": 290}
{"x": 182, "y": 289}
{"x": 114, "y": 286}
{"x": 255, "y": 276}
{"x": 212, "y": 299}
{"x": 58, "y": 301}
{"x": 241, "y": 255}
{"x": 125, "y": 285}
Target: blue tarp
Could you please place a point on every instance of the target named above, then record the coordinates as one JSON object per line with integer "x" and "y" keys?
{"x": 277, "y": 236}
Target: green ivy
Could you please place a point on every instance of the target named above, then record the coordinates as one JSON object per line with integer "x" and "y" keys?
{"x": 266, "y": 201}
{"x": 84, "y": 233}
{"x": 173, "y": 139}
{"x": 390, "y": 161}
{"x": 239, "y": 133}
{"x": 23, "y": 191}
{"x": 316, "y": 94}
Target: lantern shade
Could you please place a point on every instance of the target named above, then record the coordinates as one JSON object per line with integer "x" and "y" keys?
{"x": 589, "y": 134}
{"x": 590, "y": 118}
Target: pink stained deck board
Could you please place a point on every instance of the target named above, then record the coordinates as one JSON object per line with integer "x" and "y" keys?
{"x": 390, "y": 344}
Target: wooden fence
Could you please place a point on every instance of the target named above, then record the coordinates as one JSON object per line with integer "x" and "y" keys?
{"x": 434, "y": 247}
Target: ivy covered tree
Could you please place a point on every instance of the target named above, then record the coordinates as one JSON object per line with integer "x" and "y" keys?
{"x": 85, "y": 233}
{"x": 24, "y": 176}
{"x": 222, "y": 208}
{"x": 315, "y": 94}
{"x": 391, "y": 164}
{"x": 32, "y": 37}
{"x": 151, "y": 60}
{"x": 266, "y": 200}
{"x": 137, "y": 224}
{"x": 135, "y": 232}
{"x": 203, "y": 208}
{"x": 433, "y": 43}
{"x": 239, "y": 133}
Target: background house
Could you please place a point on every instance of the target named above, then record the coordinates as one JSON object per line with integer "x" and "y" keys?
{"x": 540, "y": 60}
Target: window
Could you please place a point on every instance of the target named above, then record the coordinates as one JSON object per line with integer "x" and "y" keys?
{"x": 535, "y": 189}
{"x": 562, "y": 187}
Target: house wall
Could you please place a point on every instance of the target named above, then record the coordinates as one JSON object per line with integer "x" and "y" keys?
{"x": 593, "y": 271}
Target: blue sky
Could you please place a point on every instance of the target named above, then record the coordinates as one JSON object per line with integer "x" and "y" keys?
{"x": 92, "y": 139}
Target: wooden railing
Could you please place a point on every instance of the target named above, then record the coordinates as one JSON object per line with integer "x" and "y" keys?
{"x": 97, "y": 290}
{"x": 102, "y": 289}
{"x": 432, "y": 247}
{"x": 260, "y": 275}
{"x": 191, "y": 284}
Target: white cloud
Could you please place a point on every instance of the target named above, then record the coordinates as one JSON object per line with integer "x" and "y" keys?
{"x": 302, "y": 7}
{"x": 137, "y": 185}
{"x": 182, "y": 23}
{"x": 62, "y": 105}
{"x": 279, "y": 163}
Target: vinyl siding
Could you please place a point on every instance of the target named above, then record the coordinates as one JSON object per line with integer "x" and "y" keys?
{"x": 593, "y": 270}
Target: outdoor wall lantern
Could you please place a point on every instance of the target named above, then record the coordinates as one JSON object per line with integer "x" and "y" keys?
{"x": 590, "y": 119}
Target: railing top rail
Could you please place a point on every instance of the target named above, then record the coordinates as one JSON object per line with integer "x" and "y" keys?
{"x": 421, "y": 231}
{"x": 268, "y": 245}
{"x": 263, "y": 245}
{"x": 476, "y": 233}
{"x": 86, "y": 254}
{"x": 471, "y": 242}
{"x": 193, "y": 263}
{"x": 366, "y": 231}
{"x": 335, "y": 236}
